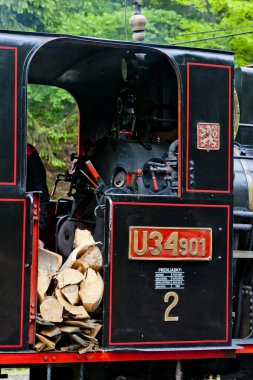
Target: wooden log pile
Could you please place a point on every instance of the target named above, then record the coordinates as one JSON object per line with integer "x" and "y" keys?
{"x": 68, "y": 298}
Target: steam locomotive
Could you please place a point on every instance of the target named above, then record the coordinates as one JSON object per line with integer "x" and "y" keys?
{"x": 159, "y": 181}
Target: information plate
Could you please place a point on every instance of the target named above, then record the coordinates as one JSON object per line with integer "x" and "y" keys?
{"x": 170, "y": 243}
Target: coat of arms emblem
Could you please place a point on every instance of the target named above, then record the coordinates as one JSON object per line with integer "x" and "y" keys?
{"x": 208, "y": 136}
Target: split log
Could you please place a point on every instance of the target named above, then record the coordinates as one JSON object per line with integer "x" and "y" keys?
{"x": 94, "y": 331}
{"x": 41, "y": 321}
{"x": 83, "y": 237}
{"x": 79, "y": 340}
{"x": 51, "y": 310}
{"x": 47, "y": 341}
{"x": 51, "y": 331}
{"x": 71, "y": 347}
{"x": 48, "y": 263}
{"x": 69, "y": 329}
{"x": 75, "y": 254}
{"x": 86, "y": 349}
{"x": 39, "y": 346}
{"x": 49, "y": 260}
{"x": 77, "y": 311}
{"x": 70, "y": 292}
{"x": 43, "y": 284}
{"x": 91, "y": 258}
{"x": 69, "y": 277}
{"x": 87, "y": 325}
{"x": 80, "y": 266}
{"x": 93, "y": 340}
{"x": 91, "y": 290}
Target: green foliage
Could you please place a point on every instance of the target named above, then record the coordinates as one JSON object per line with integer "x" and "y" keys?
{"x": 212, "y": 15}
{"x": 52, "y": 121}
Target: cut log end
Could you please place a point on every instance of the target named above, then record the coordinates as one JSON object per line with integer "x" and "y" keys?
{"x": 51, "y": 310}
{"x": 91, "y": 290}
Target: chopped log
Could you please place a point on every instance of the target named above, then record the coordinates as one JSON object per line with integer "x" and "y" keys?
{"x": 79, "y": 316}
{"x": 91, "y": 258}
{"x": 89, "y": 348}
{"x": 48, "y": 263}
{"x": 71, "y": 347}
{"x": 73, "y": 310}
{"x": 94, "y": 331}
{"x": 69, "y": 277}
{"x": 49, "y": 260}
{"x": 39, "y": 346}
{"x": 80, "y": 266}
{"x": 91, "y": 290}
{"x": 70, "y": 292}
{"x": 69, "y": 329}
{"x": 47, "y": 341}
{"x": 79, "y": 340}
{"x": 42, "y": 322}
{"x": 46, "y": 349}
{"x": 75, "y": 254}
{"x": 83, "y": 237}
{"x": 86, "y": 331}
{"x": 51, "y": 331}
{"x": 82, "y": 324}
{"x": 51, "y": 310}
{"x": 93, "y": 340}
{"x": 43, "y": 284}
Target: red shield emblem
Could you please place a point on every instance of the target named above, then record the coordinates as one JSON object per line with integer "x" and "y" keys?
{"x": 208, "y": 136}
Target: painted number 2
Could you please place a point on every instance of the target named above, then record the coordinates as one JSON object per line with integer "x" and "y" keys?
{"x": 175, "y": 298}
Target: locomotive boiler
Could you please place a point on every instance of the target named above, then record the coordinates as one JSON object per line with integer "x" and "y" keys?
{"x": 152, "y": 180}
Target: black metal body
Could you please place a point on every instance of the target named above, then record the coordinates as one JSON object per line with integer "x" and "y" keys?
{"x": 134, "y": 309}
{"x": 148, "y": 137}
{"x": 15, "y": 270}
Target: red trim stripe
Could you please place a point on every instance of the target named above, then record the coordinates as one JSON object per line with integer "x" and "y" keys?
{"x": 33, "y": 357}
{"x": 111, "y": 270}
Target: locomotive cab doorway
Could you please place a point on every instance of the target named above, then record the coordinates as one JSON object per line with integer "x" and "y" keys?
{"x": 127, "y": 97}
{"x": 128, "y": 103}
{"x": 128, "y": 128}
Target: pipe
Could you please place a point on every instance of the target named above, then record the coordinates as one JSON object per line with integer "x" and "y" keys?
{"x": 242, "y": 227}
{"x": 243, "y": 214}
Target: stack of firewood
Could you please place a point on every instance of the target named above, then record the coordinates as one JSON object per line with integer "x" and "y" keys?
{"x": 69, "y": 296}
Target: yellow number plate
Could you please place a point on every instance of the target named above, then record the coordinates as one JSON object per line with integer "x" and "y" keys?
{"x": 170, "y": 243}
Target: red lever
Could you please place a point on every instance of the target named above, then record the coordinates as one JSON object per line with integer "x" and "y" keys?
{"x": 92, "y": 170}
{"x": 155, "y": 186}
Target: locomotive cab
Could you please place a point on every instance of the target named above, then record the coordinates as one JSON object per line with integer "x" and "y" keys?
{"x": 155, "y": 126}
{"x": 151, "y": 135}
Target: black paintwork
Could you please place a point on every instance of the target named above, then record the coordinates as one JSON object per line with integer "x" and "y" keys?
{"x": 138, "y": 308}
{"x": 209, "y": 103}
{"x": 90, "y": 70}
{"x": 15, "y": 262}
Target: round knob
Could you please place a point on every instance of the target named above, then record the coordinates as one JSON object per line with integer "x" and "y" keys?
{"x": 138, "y": 23}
